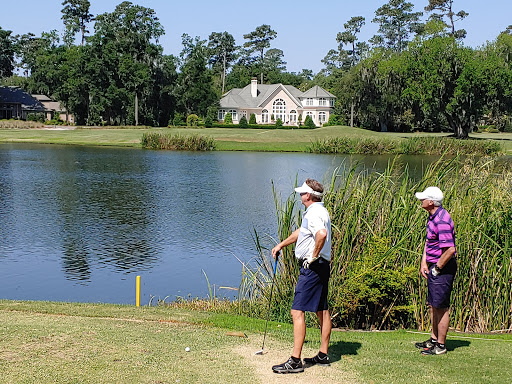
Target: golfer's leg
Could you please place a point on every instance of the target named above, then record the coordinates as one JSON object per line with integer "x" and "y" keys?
{"x": 443, "y": 322}
{"x": 434, "y": 321}
{"x": 299, "y": 331}
{"x": 324, "y": 317}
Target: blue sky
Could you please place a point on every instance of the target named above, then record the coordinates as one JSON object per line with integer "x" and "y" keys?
{"x": 306, "y": 30}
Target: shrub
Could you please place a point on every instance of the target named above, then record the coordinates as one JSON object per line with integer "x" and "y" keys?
{"x": 192, "y": 120}
{"x": 252, "y": 119}
{"x": 279, "y": 123}
{"x": 309, "y": 123}
{"x": 208, "y": 123}
{"x": 299, "y": 120}
{"x": 178, "y": 120}
{"x": 333, "y": 120}
{"x": 243, "y": 122}
{"x": 228, "y": 119}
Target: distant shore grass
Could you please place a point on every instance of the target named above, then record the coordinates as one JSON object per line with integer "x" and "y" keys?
{"x": 49, "y": 342}
{"x": 227, "y": 139}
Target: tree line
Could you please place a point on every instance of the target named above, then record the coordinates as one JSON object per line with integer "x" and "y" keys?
{"x": 412, "y": 75}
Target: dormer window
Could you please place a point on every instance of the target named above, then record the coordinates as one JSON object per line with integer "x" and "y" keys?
{"x": 331, "y": 102}
{"x": 309, "y": 101}
{"x": 322, "y": 101}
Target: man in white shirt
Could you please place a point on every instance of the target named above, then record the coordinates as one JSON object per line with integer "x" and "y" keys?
{"x": 313, "y": 252}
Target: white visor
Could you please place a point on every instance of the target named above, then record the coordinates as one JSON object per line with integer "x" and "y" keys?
{"x": 304, "y": 188}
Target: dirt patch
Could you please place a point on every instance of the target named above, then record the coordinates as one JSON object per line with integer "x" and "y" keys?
{"x": 277, "y": 353}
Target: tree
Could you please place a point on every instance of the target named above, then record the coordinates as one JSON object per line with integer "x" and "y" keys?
{"x": 396, "y": 22}
{"x": 75, "y": 15}
{"x": 349, "y": 36}
{"x": 195, "y": 85}
{"x": 445, "y": 9}
{"x": 259, "y": 40}
{"x": 128, "y": 62}
{"x": 448, "y": 80}
{"x": 222, "y": 53}
{"x": 6, "y": 53}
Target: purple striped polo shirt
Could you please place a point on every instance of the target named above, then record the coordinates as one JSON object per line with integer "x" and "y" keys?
{"x": 440, "y": 234}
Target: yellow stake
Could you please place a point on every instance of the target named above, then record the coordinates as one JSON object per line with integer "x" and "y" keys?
{"x": 137, "y": 292}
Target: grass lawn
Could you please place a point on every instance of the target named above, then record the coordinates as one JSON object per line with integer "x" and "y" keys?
{"x": 44, "y": 342}
{"x": 228, "y": 139}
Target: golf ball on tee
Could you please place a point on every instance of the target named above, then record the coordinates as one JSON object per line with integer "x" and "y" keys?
{"x": 187, "y": 349}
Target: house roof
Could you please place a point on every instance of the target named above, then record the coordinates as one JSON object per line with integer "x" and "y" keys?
{"x": 15, "y": 95}
{"x": 317, "y": 91}
{"x": 242, "y": 98}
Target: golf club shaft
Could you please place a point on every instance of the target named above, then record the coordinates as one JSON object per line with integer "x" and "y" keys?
{"x": 270, "y": 301}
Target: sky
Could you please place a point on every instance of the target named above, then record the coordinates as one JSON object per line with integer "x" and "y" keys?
{"x": 306, "y": 30}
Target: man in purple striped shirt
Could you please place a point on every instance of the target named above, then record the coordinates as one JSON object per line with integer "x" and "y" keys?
{"x": 438, "y": 266}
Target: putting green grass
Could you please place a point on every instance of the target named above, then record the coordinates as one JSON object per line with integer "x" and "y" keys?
{"x": 47, "y": 342}
{"x": 228, "y": 139}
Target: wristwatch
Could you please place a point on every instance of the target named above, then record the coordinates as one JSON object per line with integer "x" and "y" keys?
{"x": 436, "y": 270}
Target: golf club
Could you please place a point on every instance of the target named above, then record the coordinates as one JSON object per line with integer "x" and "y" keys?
{"x": 260, "y": 352}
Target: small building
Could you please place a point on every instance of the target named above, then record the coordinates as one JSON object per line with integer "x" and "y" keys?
{"x": 15, "y": 103}
{"x": 279, "y": 101}
{"x": 54, "y": 108}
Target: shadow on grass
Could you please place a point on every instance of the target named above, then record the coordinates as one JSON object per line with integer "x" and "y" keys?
{"x": 453, "y": 344}
{"x": 342, "y": 348}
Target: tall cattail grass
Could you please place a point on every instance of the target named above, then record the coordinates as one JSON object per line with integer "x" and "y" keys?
{"x": 378, "y": 230}
{"x": 409, "y": 146}
{"x": 177, "y": 142}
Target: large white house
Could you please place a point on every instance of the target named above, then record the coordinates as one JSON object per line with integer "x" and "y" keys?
{"x": 279, "y": 101}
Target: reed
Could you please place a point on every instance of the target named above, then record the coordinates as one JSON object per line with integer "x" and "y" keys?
{"x": 177, "y": 142}
{"x": 378, "y": 231}
{"x": 410, "y": 146}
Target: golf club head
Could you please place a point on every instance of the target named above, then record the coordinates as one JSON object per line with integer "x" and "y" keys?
{"x": 260, "y": 352}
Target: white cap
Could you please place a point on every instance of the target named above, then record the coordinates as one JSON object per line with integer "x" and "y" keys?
{"x": 431, "y": 193}
{"x": 304, "y": 188}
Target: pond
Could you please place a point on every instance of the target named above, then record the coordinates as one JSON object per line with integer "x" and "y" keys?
{"x": 79, "y": 223}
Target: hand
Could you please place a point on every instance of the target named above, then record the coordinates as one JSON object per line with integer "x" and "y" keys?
{"x": 308, "y": 261}
{"x": 424, "y": 270}
{"x": 275, "y": 251}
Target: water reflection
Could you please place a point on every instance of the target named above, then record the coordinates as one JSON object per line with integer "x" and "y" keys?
{"x": 77, "y": 224}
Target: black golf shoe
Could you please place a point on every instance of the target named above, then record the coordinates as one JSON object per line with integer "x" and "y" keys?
{"x": 289, "y": 366}
{"x": 317, "y": 360}
{"x": 427, "y": 344}
{"x": 434, "y": 350}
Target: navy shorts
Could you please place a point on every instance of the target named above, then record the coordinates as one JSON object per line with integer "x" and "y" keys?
{"x": 440, "y": 286}
{"x": 312, "y": 286}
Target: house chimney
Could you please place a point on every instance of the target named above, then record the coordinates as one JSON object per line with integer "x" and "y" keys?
{"x": 254, "y": 87}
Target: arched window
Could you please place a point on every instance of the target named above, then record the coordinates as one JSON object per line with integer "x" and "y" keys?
{"x": 279, "y": 110}
{"x": 222, "y": 114}
{"x": 233, "y": 114}
{"x": 264, "y": 116}
{"x": 311, "y": 115}
{"x": 293, "y": 116}
{"x": 322, "y": 117}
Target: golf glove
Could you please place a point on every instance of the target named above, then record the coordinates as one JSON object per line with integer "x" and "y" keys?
{"x": 308, "y": 261}
{"x": 436, "y": 270}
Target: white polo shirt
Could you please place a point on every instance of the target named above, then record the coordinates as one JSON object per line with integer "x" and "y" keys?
{"x": 314, "y": 219}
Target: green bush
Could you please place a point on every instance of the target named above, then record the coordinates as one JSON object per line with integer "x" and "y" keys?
{"x": 192, "y": 120}
{"x": 309, "y": 123}
{"x": 178, "y": 120}
{"x": 279, "y": 123}
{"x": 252, "y": 119}
{"x": 208, "y": 122}
{"x": 243, "y": 122}
{"x": 228, "y": 119}
{"x": 333, "y": 120}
